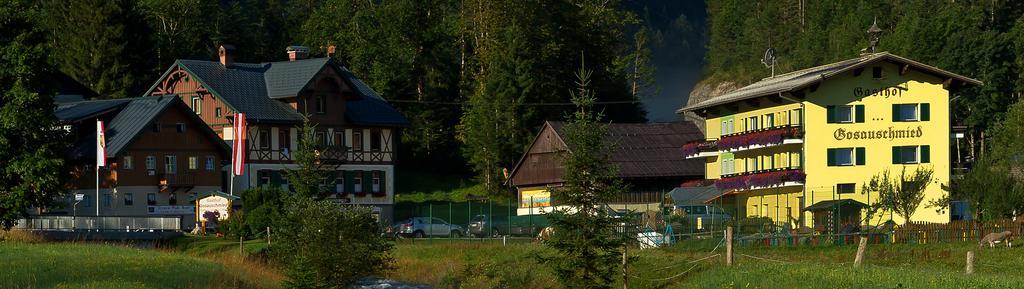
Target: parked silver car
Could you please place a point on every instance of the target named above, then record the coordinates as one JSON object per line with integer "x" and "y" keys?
{"x": 419, "y": 227}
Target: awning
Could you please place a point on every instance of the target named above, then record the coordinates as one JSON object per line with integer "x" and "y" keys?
{"x": 832, "y": 204}
{"x": 694, "y": 195}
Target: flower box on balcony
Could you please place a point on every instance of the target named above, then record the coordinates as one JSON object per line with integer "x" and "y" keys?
{"x": 767, "y": 137}
{"x": 699, "y": 146}
{"x": 765, "y": 179}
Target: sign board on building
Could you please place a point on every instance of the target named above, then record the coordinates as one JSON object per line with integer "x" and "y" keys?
{"x": 534, "y": 199}
{"x": 213, "y": 206}
{"x": 170, "y": 210}
{"x": 79, "y": 197}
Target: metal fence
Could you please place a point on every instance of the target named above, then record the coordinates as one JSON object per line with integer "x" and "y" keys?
{"x": 69, "y": 223}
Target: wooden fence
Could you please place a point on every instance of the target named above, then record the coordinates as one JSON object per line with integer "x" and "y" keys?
{"x": 955, "y": 231}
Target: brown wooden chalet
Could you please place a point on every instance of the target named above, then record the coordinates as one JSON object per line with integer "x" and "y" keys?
{"x": 159, "y": 153}
{"x": 647, "y": 154}
{"x": 275, "y": 96}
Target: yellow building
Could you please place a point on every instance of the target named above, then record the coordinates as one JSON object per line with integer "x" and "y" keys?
{"x": 798, "y": 147}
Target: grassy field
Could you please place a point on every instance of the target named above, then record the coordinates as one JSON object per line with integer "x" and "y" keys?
{"x": 489, "y": 265}
{"x": 198, "y": 263}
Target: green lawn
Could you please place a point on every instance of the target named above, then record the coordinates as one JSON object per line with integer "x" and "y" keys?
{"x": 199, "y": 263}
{"x": 488, "y": 265}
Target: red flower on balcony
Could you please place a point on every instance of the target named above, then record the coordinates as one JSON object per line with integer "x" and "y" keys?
{"x": 760, "y": 179}
{"x": 764, "y": 137}
{"x": 698, "y": 146}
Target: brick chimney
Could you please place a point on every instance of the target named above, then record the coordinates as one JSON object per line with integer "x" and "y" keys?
{"x": 227, "y": 54}
{"x": 296, "y": 52}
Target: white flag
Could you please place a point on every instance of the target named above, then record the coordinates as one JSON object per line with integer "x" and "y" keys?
{"x": 101, "y": 145}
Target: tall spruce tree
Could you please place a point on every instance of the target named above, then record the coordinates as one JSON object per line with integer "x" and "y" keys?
{"x": 312, "y": 177}
{"x": 32, "y": 169}
{"x": 584, "y": 237}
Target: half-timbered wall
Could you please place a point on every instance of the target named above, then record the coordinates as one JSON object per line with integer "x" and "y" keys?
{"x": 212, "y": 110}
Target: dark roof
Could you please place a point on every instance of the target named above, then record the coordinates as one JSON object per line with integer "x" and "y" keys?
{"x": 135, "y": 115}
{"x": 646, "y": 149}
{"x": 253, "y": 89}
{"x": 80, "y": 110}
{"x": 803, "y": 78}
{"x": 833, "y": 204}
{"x": 694, "y": 195}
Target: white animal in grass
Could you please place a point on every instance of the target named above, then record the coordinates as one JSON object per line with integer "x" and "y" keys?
{"x": 545, "y": 234}
{"x": 993, "y": 238}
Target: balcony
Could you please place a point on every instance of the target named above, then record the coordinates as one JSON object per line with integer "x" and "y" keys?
{"x": 763, "y": 138}
{"x": 700, "y": 149}
{"x": 177, "y": 180}
{"x": 764, "y": 179}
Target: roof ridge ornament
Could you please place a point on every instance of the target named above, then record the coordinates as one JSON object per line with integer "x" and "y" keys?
{"x": 873, "y": 36}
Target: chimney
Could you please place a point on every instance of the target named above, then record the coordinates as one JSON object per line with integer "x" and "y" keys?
{"x": 227, "y": 54}
{"x": 296, "y": 52}
{"x": 330, "y": 50}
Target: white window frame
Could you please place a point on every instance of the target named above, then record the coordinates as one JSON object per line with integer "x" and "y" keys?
{"x": 129, "y": 199}
{"x": 193, "y": 163}
{"x": 916, "y": 153}
{"x": 150, "y": 162}
{"x": 904, "y": 106}
{"x": 357, "y": 182}
{"x": 107, "y": 200}
{"x": 376, "y": 182}
{"x": 853, "y": 158}
{"x": 197, "y": 104}
{"x": 769, "y": 120}
{"x": 210, "y": 163}
{"x": 170, "y": 164}
{"x": 127, "y": 163}
{"x": 849, "y": 109}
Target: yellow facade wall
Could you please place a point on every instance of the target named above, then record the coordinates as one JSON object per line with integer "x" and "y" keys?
{"x": 877, "y": 96}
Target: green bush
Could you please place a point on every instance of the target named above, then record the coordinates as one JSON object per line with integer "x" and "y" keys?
{"x": 329, "y": 246}
{"x": 262, "y": 207}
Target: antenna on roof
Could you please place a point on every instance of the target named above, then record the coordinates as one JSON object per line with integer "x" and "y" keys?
{"x": 769, "y": 59}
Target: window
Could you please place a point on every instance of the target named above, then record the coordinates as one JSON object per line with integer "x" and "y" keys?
{"x": 283, "y": 139}
{"x": 795, "y": 116}
{"x": 357, "y": 182}
{"x": 876, "y": 72}
{"x": 172, "y": 199}
{"x": 911, "y": 112}
{"x": 262, "y": 177}
{"x": 155, "y": 127}
{"x": 752, "y": 123}
{"x": 197, "y": 104}
{"x": 840, "y": 157}
{"x": 753, "y": 164}
{"x": 728, "y": 166}
{"x": 376, "y": 181}
{"x": 846, "y": 188}
{"x": 180, "y": 127}
{"x": 845, "y": 113}
{"x": 150, "y": 162}
{"x": 193, "y": 163}
{"x": 127, "y": 163}
{"x": 264, "y": 136}
{"x": 218, "y": 112}
{"x": 106, "y": 200}
{"x": 725, "y": 127}
{"x": 357, "y": 141}
{"x": 769, "y": 120}
{"x": 170, "y": 164}
{"x": 911, "y": 154}
{"x": 87, "y": 201}
{"x": 151, "y": 199}
{"x": 321, "y": 104}
{"x": 339, "y": 138}
{"x": 375, "y": 141}
{"x": 129, "y": 199}
{"x": 209, "y": 163}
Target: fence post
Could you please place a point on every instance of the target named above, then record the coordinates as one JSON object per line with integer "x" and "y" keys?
{"x": 860, "y": 252}
{"x": 240, "y": 253}
{"x": 268, "y": 236}
{"x": 728, "y": 246}
{"x": 970, "y": 262}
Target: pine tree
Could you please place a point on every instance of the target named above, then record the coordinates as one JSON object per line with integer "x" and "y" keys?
{"x": 587, "y": 244}
{"x": 312, "y": 177}
{"x": 32, "y": 169}
{"x": 90, "y": 42}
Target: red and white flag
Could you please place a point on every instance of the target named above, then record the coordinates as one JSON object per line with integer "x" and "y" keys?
{"x": 101, "y": 145}
{"x": 238, "y": 145}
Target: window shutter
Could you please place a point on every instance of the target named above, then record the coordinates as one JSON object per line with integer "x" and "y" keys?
{"x": 368, "y": 181}
{"x": 350, "y": 185}
{"x": 831, "y": 113}
{"x": 383, "y": 181}
{"x": 925, "y": 111}
{"x": 860, "y": 113}
{"x": 275, "y": 178}
{"x": 924, "y": 151}
{"x": 895, "y": 112}
{"x": 860, "y": 156}
{"x": 896, "y": 155}
{"x": 831, "y": 157}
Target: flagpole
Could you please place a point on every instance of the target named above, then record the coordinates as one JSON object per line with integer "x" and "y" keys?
{"x": 97, "y": 190}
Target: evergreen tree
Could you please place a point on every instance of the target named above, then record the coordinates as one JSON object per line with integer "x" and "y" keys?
{"x": 587, "y": 244}
{"x": 32, "y": 169}
{"x": 90, "y": 41}
{"x": 312, "y": 177}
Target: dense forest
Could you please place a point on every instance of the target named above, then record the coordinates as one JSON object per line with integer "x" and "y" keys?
{"x": 476, "y": 77}
{"x": 979, "y": 39}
